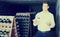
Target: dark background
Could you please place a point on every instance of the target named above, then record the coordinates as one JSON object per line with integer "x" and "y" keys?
{"x": 10, "y": 7}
